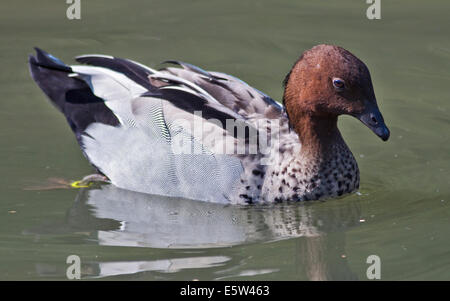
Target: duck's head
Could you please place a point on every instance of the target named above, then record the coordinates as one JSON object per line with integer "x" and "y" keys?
{"x": 328, "y": 81}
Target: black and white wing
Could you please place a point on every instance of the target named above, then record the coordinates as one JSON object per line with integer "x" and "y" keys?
{"x": 139, "y": 126}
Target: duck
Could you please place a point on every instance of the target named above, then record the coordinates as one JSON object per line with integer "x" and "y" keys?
{"x": 182, "y": 131}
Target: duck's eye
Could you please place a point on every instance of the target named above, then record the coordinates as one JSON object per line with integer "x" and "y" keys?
{"x": 338, "y": 83}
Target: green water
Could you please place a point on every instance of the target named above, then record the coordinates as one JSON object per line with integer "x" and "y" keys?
{"x": 402, "y": 213}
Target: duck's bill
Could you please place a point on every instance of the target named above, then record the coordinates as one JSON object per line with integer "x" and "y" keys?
{"x": 374, "y": 120}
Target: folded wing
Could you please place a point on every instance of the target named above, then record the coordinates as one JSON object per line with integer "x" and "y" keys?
{"x": 140, "y": 126}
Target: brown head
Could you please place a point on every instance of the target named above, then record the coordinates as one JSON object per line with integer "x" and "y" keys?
{"x": 328, "y": 81}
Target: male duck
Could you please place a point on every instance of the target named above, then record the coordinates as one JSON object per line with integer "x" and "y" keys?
{"x": 168, "y": 131}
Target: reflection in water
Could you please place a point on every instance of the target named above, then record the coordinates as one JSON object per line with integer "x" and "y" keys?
{"x": 117, "y": 268}
{"x": 144, "y": 220}
{"x": 164, "y": 265}
{"x": 126, "y": 218}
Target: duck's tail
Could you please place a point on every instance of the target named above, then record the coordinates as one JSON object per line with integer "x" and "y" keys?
{"x": 70, "y": 95}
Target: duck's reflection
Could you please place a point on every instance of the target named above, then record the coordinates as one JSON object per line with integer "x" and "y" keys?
{"x": 126, "y": 218}
{"x": 163, "y": 265}
{"x": 144, "y": 220}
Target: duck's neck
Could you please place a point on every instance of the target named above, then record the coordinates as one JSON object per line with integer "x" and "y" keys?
{"x": 319, "y": 136}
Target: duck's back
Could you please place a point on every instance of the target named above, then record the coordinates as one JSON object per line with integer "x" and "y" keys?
{"x": 160, "y": 131}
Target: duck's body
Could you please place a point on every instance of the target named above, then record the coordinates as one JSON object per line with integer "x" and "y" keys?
{"x": 293, "y": 177}
{"x": 166, "y": 132}
{"x": 290, "y": 174}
